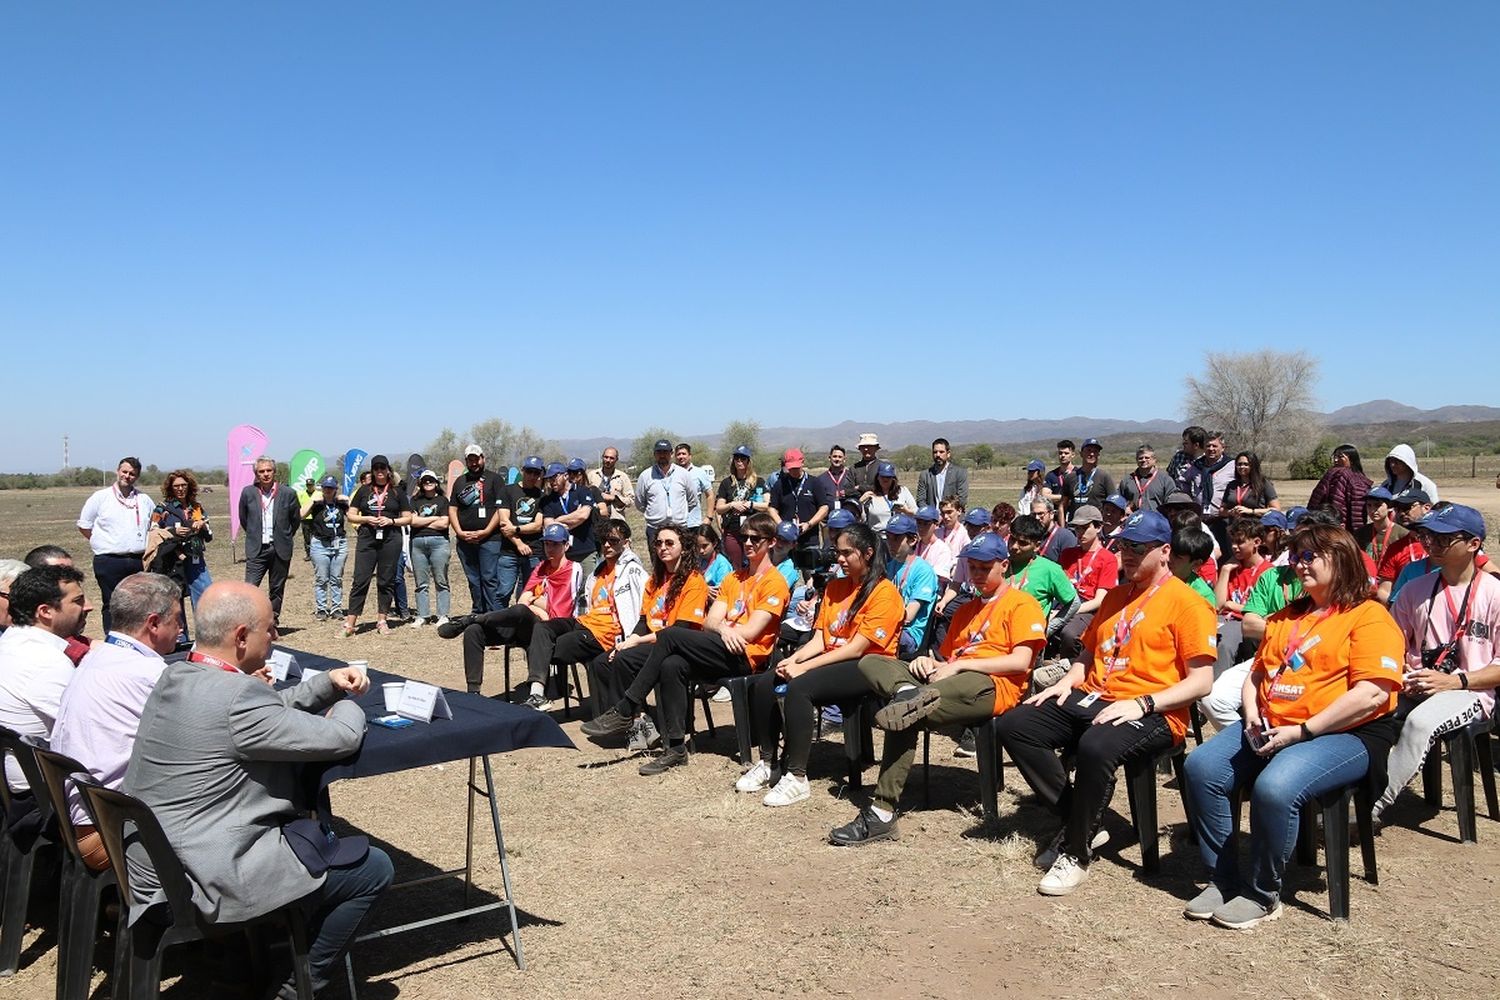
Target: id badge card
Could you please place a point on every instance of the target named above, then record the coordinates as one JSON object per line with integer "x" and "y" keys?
{"x": 379, "y": 534}
{"x": 1088, "y": 699}
{"x": 481, "y": 511}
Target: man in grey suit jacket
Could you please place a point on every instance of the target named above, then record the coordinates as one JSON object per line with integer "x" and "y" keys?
{"x": 269, "y": 516}
{"x": 943, "y": 479}
{"x": 216, "y": 758}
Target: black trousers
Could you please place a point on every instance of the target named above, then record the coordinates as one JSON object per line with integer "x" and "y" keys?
{"x": 267, "y": 561}
{"x": 109, "y": 570}
{"x": 680, "y": 656}
{"x": 835, "y": 684}
{"x": 377, "y": 560}
{"x": 508, "y": 625}
{"x": 1034, "y": 733}
{"x": 560, "y": 640}
{"x": 610, "y": 677}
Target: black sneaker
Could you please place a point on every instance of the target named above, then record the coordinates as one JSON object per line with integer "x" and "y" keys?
{"x": 965, "y": 746}
{"x": 669, "y": 758}
{"x": 609, "y": 723}
{"x": 909, "y": 706}
{"x": 454, "y": 627}
{"x": 320, "y": 616}
{"x": 865, "y": 828}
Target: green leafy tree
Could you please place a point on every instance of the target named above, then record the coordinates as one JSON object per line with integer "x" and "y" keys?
{"x": 981, "y": 456}
{"x": 736, "y": 433}
{"x": 443, "y": 449}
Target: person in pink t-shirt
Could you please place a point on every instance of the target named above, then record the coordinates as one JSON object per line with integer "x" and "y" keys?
{"x": 1450, "y": 619}
{"x": 933, "y": 548}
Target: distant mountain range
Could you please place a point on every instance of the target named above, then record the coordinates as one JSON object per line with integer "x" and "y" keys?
{"x": 899, "y": 434}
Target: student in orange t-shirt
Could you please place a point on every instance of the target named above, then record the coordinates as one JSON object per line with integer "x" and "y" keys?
{"x": 610, "y": 603}
{"x": 980, "y": 671}
{"x": 861, "y": 612}
{"x": 1317, "y": 707}
{"x": 1147, "y": 655}
{"x": 676, "y": 594}
{"x": 736, "y": 640}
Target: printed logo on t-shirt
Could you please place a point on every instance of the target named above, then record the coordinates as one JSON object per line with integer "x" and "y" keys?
{"x": 1477, "y": 630}
{"x": 1282, "y": 691}
{"x": 879, "y": 633}
{"x": 1386, "y": 663}
{"x": 1036, "y": 626}
{"x": 427, "y": 510}
{"x": 773, "y": 600}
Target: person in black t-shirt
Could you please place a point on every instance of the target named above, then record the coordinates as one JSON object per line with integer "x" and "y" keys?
{"x": 741, "y": 493}
{"x": 429, "y": 546}
{"x": 801, "y": 499}
{"x": 521, "y": 524}
{"x": 474, "y": 515}
{"x": 380, "y": 509}
{"x": 571, "y": 505}
{"x": 324, "y": 515}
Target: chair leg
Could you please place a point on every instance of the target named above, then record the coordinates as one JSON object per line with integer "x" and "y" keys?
{"x": 1432, "y": 776}
{"x": 18, "y": 871}
{"x": 855, "y": 737}
{"x": 1336, "y": 852}
{"x": 1461, "y": 763}
{"x": 987, "y": 750}
{"x": 506, "y": 656}
{"x": 77, "y": 931}
{"x": 739, "y": 708}
{"x": 1485, "y": 754}
{"x": 145, "y": 960}
{"x": 1140, "y": 786}
{"x": 301, "y": 972}
{"x": 1364, "y": 806}
{"x": 584, "y": 701}
{"x": 926, "y": 767}
{"x": 1179, "y": 768}
{"x": 1307, "y": 837}
{"x": 708, "y": 717}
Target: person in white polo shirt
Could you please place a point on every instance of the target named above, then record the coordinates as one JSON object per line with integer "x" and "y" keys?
{"x": 117, "y": 520}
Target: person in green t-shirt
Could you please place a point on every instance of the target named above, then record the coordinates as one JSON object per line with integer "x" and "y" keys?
{"x": 1039, "y": 576}
{"x": 1191, "y": 547}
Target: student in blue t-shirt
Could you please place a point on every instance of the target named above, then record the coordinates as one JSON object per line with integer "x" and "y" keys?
{"x": 915, "y": 578}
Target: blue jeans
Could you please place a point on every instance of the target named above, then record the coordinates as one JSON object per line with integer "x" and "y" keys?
{"x": 514, "y": 569}
{"x": 429, "y": 559}
{"x": 328, "y": 573}
{"x": 198, "y": 580}
{"x": 1281, "y": 784}
{"x": 481, "y": 563}
{"x": 339, "y": 905}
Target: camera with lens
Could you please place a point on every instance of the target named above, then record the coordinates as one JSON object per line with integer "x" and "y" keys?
{"x": 1443, "y": 659}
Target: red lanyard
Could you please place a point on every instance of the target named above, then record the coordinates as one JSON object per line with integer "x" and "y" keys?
{"x": 1140, "y": 498}
{"x": 1457, "y": 613}
{"x": 1239, "y": 494}
{"x": 1386, "y": 540}
{"x": 213, "y": 661}
{"x": 134, "y": 504}
{"x": 905, "y": 571}
{"x": 1081, "y": 569}
{"x": 1047, "y": 542}
{"x": 377, "y": 500}
{"x": 1126, "y": 623}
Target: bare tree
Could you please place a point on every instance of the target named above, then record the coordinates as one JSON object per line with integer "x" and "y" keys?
{"x": 443, "y": 449}
{"x": 737, "y": 433}
{"x": 1262, "y": 401}
{"x": 503, "y": 443}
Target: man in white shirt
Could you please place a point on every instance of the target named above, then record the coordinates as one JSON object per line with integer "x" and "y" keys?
{"x": 117, "y": 521}
{"x": 700, "y": 482}
{"x": 101, "y": 706}
{"x": 46, "y": 606}
{"x": 661, "y": 492}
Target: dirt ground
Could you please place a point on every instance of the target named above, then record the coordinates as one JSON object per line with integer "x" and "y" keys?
{"x": 678, "y": 887}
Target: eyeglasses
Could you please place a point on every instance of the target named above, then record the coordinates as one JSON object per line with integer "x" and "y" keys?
{"x": 1137, "y": 548}
{"x": 614, "y": 540}
{"x": 665, "y": 543}
{"x": 1436, "y": 542}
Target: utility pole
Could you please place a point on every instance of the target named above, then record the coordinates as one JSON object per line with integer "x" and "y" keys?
{"x": 65, "y": 453}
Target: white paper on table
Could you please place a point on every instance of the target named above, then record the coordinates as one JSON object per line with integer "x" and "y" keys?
{"x": 423, "y": 702}
{"x": 284, "y": 665}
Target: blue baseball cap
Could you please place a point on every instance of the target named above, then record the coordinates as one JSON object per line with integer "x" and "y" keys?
{"x": 555, "y": 469}
{"x": 554, "y": 533}
{"x": 1117, "y": 500}
{"x": 1036, "y": 465}
{"x": 1408, "y": 497}
{"x": 533, "y": 463}
{"x": 1452, "y": 520}
{"x": 885, "y": 469}
{"x": 1294, "y": 515}
{"x": 1146, "y": 526}
{"x": 928, "y": 513}
{"x": 576, "y": 465}
{"x": 1379, "y": 493}
{"x": 840, "y": 519}
{"x": 788, "y": 531}
{"x": 978, "y": 517}
{"x": 988, "y": 547}
{"x": 741, "y": 452}
{"x": 329, "y": 483}
{"x": 1091, "y": 443}
{"x": 1275, "y": 519}
{"x": 901, "y": 525}
{"x": 662, "y": 444}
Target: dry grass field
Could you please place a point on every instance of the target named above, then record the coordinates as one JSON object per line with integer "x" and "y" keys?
{"x": 678, "y": 887}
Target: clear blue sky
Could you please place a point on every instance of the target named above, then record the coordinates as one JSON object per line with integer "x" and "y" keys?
{"x": 352, "y": 224}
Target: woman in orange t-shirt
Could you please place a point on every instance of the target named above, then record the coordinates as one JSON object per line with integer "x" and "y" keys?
{"x": 676, "y": 594}
{"x": 861, "y": 612}
{"x": 1317, "y": 708}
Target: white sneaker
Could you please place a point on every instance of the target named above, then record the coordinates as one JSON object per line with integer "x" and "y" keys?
{"x": 1063, "y": 877}
{"x": 442, "y": 620}
{"x": 790, "y": 790}
{"x": 1048, "y": 857}
{"x": 419, "y": 623}
{"x": 643, "y": 735}
{"x": 721, "y": 696}
{"x": 757, "y": 779}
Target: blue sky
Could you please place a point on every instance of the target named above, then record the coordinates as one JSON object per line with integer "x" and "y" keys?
{"x": 352, "y": 224}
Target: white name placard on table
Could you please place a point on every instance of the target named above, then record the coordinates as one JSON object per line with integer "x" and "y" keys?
{"x": 284, "y": 666}
{"x": 423, "y": 702}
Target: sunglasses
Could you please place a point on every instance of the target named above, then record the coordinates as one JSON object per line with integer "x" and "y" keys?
{"x": 754, "y": 539}
{"x": 1437, "y": 542}
{"x": 1305, "y": 556}
{"x": 1140, "y": 548}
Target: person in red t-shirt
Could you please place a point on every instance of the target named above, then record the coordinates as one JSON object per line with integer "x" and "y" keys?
{"x": 1244, "y": 566}
{"x": 1093, "y": 570}
{"x": 1411, "y": 506}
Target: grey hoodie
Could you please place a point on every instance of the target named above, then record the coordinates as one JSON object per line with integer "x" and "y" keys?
{"x": 1405, "y": 454}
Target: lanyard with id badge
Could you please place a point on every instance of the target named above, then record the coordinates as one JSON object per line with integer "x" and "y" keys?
{"x": 1125, "y": 626}
{"x": 1294, "y": 654}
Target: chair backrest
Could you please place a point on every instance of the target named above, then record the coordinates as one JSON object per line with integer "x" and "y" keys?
{"x": 14, "y": 746}
{"x": 113, "y": 812}
{"x": 55, "y": 769}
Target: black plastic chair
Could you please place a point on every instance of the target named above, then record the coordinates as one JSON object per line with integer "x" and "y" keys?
{"x": 1465, "y": 746}
{"x": 83, "y": 889}
{"x": 1333, "y": 808}
{"x": 18, "y": 859}
{"x": 143, "y": 941}
{"x": 1140, "y": 788}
